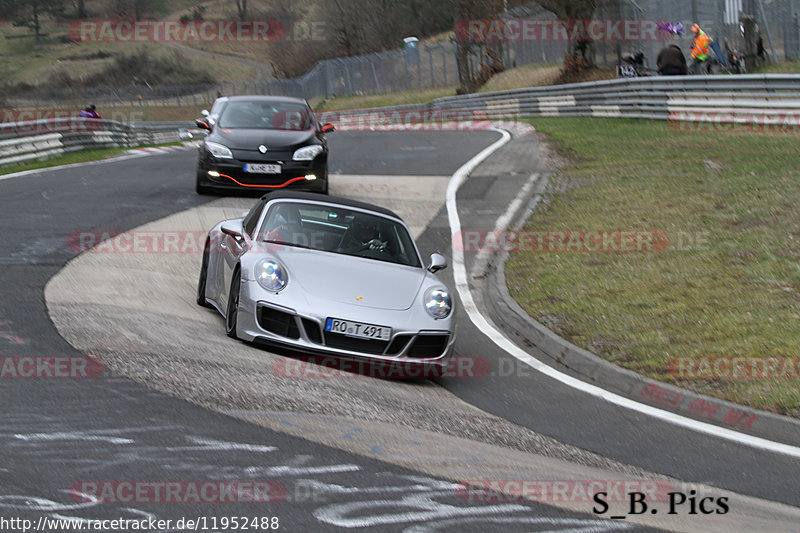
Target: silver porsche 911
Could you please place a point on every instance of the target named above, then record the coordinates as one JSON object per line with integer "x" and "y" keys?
{"x": 328, "y": 275}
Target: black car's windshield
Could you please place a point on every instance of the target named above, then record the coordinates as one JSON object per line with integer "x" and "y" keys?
{"x": 339, "y": 230}
{"x": 269, "y": 115}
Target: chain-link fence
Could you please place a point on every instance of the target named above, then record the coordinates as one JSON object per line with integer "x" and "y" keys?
{"x": 777, "y": 23}
{"x": 435, "y": 65}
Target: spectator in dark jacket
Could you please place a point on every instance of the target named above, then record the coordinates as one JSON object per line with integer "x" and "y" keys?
{"x": 671, "y": 62}
{"x": 90, "y": 112}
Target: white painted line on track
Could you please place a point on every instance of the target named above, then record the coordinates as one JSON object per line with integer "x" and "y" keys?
{"x": 481, "y": 266}
{"x": 480, "y": 321}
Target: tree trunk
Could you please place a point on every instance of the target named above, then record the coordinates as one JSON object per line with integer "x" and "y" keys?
{"x": 462, "y": 53}
{"x": 241, "y": 8}
{"x": 36, "y": 28}
{"x": 580, "y": 47}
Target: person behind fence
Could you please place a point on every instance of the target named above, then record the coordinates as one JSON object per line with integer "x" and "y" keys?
{"x": 90, "y": 112}
{"x": 699, "y": 52}
{"x": 671, "y": 62}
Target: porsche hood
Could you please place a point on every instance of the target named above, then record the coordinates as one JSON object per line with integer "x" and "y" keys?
{"x": 353, "y": 280}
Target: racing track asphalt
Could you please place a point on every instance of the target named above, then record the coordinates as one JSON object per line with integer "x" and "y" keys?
{"x": 56, "y": 433}
{"x": 523, "y": 397}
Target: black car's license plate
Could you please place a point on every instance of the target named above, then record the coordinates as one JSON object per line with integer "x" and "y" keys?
{"x": 262, "y": 168}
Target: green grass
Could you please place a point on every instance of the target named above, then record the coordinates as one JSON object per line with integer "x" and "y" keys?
{"x": 23, "y": 61}
{"x": 533, "y": 75}
{"x": 784, "y": 67}
{"x": 736, "y": 293}
{"x": 381, "y": 100}
{"x": 75, "y": 157}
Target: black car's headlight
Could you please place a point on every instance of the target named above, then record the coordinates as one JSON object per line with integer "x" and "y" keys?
{"x": 437, "y": 302}
{"x": 219, "y": 151}
{"x": 307, "y": 153}
{"x": 271, "y": 275}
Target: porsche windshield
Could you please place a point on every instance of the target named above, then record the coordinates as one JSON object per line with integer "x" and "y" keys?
{"x": 264, "y": 114}
{"x": 339, "y": 230}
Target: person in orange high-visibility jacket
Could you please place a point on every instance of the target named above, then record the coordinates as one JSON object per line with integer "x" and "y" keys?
{"x": 699, "y": 51}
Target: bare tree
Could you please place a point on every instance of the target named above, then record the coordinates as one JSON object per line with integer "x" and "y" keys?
{"x": 30, "y": 13}
{"x": 580, "y": 46}
{"x": 470, "y": 78}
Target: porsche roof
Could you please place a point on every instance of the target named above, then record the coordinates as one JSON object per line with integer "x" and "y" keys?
{"x": 265, "y": 98}
{"x": 316, "y": 197}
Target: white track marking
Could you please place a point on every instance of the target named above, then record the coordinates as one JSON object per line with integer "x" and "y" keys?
{"x": 460, "y": 276}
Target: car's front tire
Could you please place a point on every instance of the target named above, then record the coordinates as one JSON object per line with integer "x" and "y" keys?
{"x": 232, "y": 313}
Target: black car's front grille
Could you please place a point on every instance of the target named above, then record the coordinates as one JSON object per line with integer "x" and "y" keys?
{"x": 398, "y": 344}
{"x": 343, "y": 342}
{"x": 272, "y": 156}
{"x": 312, "y": 331}
{"x": 278, "y": 322}
{"x": 428, "y": 345}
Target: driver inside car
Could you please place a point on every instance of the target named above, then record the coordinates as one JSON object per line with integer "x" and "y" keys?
{"x": 363, "y": 236}
{"x": 284, "y": 225}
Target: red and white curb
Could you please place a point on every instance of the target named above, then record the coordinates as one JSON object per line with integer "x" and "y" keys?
{"x": 152, "y": 150}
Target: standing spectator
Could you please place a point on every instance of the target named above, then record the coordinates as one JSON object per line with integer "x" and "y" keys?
{"x": 699, "y": 51}
{"x": 671, "y": 61}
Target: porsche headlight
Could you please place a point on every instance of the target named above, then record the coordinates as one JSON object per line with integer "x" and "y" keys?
{"x": 438, "y": 302}
{"x": 271, "y": 275}
{"x": 218, "y": 150}
{"x": 307, "y": 153}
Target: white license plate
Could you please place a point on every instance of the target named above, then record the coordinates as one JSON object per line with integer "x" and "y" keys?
{"x": 262, "y": 168}
{"x": 358, "y": 329}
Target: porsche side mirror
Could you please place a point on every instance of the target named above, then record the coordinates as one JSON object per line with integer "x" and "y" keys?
{"x": 328, "y": 128}
{"x": 233, "y": 228}
{"x": 438, "y": 262}
{"x": 203, "y": 124}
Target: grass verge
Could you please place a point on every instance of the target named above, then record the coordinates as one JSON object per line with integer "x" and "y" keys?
{"x": 728, "y": 283}
{"x": 420, "y": 96}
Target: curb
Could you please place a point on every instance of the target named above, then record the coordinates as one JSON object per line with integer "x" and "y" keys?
{"x": 526, "y": 332}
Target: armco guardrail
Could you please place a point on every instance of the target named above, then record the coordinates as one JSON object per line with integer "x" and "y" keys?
{"x": 41, "y": 139}
{"x": 695, "y": 98}
{"x": 772, "y": 98}
{"x": 767, "y": 100}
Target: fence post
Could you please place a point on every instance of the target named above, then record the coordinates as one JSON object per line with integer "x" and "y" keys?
{"x": 444, "y": 64}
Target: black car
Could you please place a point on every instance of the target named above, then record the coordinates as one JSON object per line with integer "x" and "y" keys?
{"x": 263, "y": 143}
